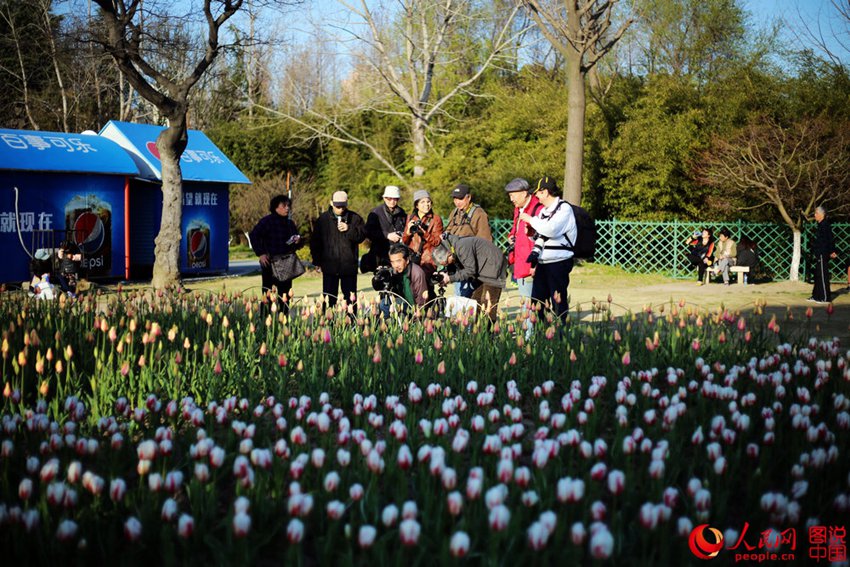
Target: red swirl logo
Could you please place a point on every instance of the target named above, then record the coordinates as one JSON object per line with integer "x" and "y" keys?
{"x": 700, "y": 546}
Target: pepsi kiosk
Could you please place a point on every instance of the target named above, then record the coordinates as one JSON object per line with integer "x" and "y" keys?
{"x": 207, "y": 173}
{"x": 56, "y": 186}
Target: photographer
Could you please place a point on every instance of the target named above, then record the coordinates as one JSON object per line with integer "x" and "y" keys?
{"x": 551, "y": 258}
{"x": 384, "y": 227}
{"x": 406, "y": 279}
{"x": 423, "y": 232}
{"x": 477, "y": 261}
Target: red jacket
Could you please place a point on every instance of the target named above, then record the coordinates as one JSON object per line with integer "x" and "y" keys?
{"x": 524, "y": 235}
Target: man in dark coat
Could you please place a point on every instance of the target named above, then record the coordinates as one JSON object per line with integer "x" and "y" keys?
{"x": 478, "y": 261}
{"x": 823, "y": 248}
{"x": 384, "y": 226}
{"x": 336, "y": 236}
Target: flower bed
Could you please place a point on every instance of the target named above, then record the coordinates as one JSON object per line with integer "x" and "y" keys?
{"x": 197, "y": 429}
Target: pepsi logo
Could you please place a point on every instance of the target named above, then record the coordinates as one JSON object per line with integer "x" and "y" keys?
{"x": 89, "y": 233}
{"x": 198, "y": 244}
{"x": 152, "y": 149}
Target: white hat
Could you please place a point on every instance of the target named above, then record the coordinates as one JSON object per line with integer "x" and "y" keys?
{"x": 340, "y": 199}
{"x": 392, "y": 192}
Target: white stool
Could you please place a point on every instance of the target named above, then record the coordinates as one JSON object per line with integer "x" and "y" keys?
{"x": 742, "y": 272}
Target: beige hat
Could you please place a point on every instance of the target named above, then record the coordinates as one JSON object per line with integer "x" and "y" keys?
{"x": 340, "y": 199}
{"x": 392, "y": 192}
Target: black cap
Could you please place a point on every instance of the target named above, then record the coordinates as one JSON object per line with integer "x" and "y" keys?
{"x": 460, "y": 191}
{"x": 546, "y": 183}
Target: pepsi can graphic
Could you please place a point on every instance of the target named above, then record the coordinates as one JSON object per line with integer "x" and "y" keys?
{"x": 198, "y": 245}
{"x": 88, "y": 221}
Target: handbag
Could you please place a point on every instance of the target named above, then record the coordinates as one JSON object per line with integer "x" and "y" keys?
{"x": 287, "y": 267}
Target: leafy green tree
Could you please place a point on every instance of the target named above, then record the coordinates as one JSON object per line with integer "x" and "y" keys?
{"x": 646, "y": 171}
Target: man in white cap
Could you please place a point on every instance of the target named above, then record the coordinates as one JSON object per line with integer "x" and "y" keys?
{"x": 384, "y": 226}
{"x": 334, "y": 246}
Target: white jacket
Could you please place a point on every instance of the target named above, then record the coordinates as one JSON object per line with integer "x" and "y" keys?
{"x": 555, "y": 224}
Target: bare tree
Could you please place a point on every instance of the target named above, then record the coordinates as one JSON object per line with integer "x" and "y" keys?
{"x": 141, "y": 38}
{"x": 581, "y": 30}
{"x": 17, "y": 66}
{"x": 412, "y": 64}
{"x": 792, "y": 169}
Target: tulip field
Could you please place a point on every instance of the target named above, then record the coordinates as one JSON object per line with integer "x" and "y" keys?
{"x": 192, "y": 428}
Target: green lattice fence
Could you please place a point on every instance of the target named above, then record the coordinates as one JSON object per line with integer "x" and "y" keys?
{"x": 660, "y": 247}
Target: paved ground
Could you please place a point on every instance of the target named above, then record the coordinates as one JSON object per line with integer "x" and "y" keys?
{"x": 633, "y": 292}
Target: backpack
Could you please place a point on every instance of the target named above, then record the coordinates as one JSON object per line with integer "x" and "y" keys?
{"x": 585, "y": 245}
{"x": 584, "y": 248}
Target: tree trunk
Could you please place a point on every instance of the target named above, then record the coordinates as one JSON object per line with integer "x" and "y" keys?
{"x": 171, "y": 142}
{"x": 575, "y": 129}
{"x": 796, "y": 255}
{"x": 420, "y": 148}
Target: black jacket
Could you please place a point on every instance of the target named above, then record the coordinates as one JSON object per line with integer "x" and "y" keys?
{"x": 379, "y": 224}
{"x": 333, "y": 251}
{"x": 478, "y": 259}
{"x": 824, "y": 243}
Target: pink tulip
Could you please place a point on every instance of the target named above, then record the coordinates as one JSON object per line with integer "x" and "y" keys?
{"x": 169, "y": 510}
{"x": 389, "y": 515}
{"x": 295, "y": 531}
{"x": 185, "y": 526}
{"x": 616, "y": 482}
{"x": 25, "y": 489}
{"x": 132, "y": 529}
{"x": 601, "y": 543}
{"x": 578, "y": 533}
{"x": 499, "y": 518}
{"x": 66, "y": 531}
{"x": 454, "y": 502}
{"x": 117, "y": 489}
{"x": 366, "y": 536}
{"x": 335, "y": 509}
{"x": 409, "y": 531}
{"x": 459, "y": 544}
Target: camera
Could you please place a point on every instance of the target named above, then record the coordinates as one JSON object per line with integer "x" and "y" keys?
{"x": 416, "y": 227}
{"x": 383, "y": 278}
{"x": 534, "y": 257}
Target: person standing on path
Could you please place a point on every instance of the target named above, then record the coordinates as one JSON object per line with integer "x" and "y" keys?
{"x": 467, "y": 219}
{"x": 334, "y": 247}
{"x": 384, "y": 227}
{"x": 823, "y": 249}
{"x": 275, "y": 235}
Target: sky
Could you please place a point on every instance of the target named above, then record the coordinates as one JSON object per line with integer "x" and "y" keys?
{"x": 805, "y": 18}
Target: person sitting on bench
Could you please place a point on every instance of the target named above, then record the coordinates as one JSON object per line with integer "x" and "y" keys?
{"x": 70, "y": 259}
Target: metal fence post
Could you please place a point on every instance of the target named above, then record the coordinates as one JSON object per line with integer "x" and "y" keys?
{"x": 613, "y": 261}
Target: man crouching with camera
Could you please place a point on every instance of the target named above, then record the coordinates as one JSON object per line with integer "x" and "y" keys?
{"x": 402, "y": 278}
{"x": 477, "y": 261}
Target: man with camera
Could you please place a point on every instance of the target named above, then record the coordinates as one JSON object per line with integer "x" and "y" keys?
{"x": 336, "y": 236}
{"x": 384, "y": 226}
{"x": 551, "y": 259}
{"x": 402, "y": 278}
{"x": 477, "y": 261}
{"x": 467, "y": 219}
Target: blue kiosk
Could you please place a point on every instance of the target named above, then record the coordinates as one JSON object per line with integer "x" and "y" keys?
{"x": 103, "y": 192}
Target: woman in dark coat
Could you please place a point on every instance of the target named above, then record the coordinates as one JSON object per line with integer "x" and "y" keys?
{"x": 701, "y": 252}
{"x": 275, "y": 235}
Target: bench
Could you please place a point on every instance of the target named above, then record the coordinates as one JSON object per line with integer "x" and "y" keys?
{"x": 741, "y": 271}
